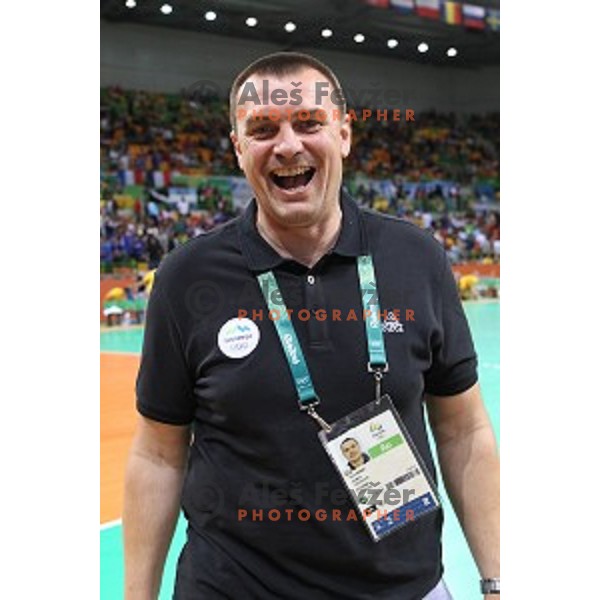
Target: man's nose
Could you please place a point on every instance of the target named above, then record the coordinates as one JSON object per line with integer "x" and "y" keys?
{"x": 288, "y": 143}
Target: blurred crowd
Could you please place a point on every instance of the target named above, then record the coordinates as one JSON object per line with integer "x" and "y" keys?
{"x": 153, "y": 228}
{"x": 435, "y": 146}
{"x": 469, "y": 233}
{"x": 143, "y": 130}
{"x": 149, "y": 132}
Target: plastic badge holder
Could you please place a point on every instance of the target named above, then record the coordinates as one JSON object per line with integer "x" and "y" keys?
{"x": 381, "y": 468}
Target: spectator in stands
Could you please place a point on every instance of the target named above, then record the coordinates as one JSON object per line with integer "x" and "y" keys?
{"x": 154, "y": 250}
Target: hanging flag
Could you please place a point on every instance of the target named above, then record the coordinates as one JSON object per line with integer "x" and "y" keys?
{"x": 378, "y": 3}
{"x": 428, "y": 8}
{"x": 453, "y": 13}
{"x": 493, "y": 19}
{"x": 403, "y": 7}
{"x": 473, "y": 16}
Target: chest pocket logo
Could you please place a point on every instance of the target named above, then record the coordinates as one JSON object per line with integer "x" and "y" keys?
{"x": 392, "y": 325}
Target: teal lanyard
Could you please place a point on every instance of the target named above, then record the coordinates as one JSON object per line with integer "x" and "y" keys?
{"x": 370, "y": 300}
{"x": 307, "y": 395}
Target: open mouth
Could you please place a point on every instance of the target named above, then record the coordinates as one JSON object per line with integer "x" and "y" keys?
{"x": 289, "y": 179}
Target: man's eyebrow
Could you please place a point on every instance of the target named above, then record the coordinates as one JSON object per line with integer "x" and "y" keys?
{"x": 253, "y": 121}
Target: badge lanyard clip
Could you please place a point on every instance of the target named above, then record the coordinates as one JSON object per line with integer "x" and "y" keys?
{"x": 320, "y": 420}
{"x": 378, "y": 378}
{"x": 378, "y": 373}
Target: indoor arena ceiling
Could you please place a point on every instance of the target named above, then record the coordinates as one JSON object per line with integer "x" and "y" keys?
{"x": 344, "y": 17}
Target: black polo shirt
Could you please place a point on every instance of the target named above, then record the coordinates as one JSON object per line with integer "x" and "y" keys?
{"x": 253, "y": 449}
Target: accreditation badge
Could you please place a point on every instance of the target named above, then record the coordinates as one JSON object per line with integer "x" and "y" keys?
{"x": 381, "y": 468}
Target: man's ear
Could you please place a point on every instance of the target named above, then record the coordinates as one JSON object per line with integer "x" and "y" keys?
{"x": 236, "y": 147}
{"x": 346, "y": 135}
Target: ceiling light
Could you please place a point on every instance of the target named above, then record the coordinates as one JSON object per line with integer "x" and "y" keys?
{"x": 422, "y": 47}
{"x": 130, "y": 4}
{"x": 166, "y": 9}
{"x": 359, "y": 38}
{"x": 452, "y": 52}
{"x": 289, "y": 26}
{"x": 326, "y": 33}
{"x": 211, "y": 15}
{"x": 392, "y": 43}
{"x": 251, "y": 21}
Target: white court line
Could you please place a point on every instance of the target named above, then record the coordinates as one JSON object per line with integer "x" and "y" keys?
{"x": 110, "y": 524}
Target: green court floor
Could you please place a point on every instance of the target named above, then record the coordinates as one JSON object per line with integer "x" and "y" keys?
{"x": 461, "y": 573}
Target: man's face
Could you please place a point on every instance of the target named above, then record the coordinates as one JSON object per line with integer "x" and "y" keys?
{"x": 351, "y": 450}
{"x": 293, "y": 164}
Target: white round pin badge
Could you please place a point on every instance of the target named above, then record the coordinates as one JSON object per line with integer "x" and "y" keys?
{"x": 238, "y": 337}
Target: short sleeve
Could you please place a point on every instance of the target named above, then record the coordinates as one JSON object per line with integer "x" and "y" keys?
{"x": 454, "y": 361}
{"x": 164, "y": 386}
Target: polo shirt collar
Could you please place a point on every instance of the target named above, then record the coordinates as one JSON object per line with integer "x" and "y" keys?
{"x": 260, "y": 256}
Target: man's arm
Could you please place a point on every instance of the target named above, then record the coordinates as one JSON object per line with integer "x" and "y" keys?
{"x": 153, "y": 483}
{"x": 470, "y": 467}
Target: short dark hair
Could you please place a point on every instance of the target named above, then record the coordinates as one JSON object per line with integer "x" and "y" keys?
{"x": 280, "y": 64}
{"x": 349, "y": 439}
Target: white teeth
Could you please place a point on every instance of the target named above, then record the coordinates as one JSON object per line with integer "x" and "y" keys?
{"x": 291, "y": 172}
